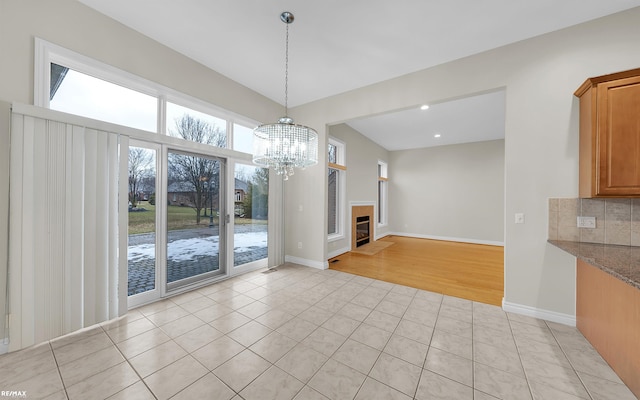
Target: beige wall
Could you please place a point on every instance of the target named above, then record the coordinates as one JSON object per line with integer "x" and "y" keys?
{"x": 74, "y": 26}
{"x": 362, "y": 156}
{"x": 454, "y": 192}
{"x": 541, "y": 142}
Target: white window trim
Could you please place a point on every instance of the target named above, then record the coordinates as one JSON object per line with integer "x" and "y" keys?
{"x": 341, "y": 149}
{"x": 384, "y": 173}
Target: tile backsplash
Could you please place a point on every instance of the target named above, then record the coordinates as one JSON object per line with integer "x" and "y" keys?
{"x": 617, "y": 220}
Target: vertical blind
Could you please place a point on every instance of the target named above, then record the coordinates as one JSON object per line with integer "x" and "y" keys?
{"x": 276, "y": 252}
{"x": 66, "y": 240}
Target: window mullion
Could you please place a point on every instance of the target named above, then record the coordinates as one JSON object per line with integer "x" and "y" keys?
{"x": 162, "y": 115}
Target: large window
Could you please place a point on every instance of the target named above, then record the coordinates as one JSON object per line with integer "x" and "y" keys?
{"x": 76, "y": 93}
{"x": 382, "y": 193}
{"x": 75, "y": 84}
{"x": 335, "y": 189}
{"x": 177, "y": 233}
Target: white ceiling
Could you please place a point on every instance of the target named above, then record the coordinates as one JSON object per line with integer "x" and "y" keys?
{"x": 471, "y": 119}
{"x": 340, "y": 45}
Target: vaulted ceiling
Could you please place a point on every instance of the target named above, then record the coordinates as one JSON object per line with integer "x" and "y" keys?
{"x": 341, "y": 45}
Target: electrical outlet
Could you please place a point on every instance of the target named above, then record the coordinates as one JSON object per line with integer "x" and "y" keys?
{"x": 299, "y": 245}
{"x": 587, "y": 222}
{"x": 519, "y": 218}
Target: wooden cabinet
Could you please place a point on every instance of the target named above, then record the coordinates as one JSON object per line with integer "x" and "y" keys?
{"x": 610, "y": 135}
{"x": 608, "y": 315}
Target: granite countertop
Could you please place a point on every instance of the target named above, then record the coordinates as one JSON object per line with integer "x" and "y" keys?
{"x": 623, "y": 262}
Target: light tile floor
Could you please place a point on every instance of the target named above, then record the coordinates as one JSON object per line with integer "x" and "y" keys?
{"x": 301, "y": 333}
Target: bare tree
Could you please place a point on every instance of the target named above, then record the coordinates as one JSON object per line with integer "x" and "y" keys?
{"x": 200, "y": 174}
{"x": 140, "y": 169}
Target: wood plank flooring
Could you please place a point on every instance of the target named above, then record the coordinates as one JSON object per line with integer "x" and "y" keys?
{"x": 469, "y": 271}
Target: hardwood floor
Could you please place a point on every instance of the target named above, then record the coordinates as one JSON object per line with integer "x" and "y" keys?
{"x": 469, "y": 271}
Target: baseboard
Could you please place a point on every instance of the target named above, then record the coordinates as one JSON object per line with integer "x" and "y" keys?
{"x": 448, "y": 239}
{"x": 547, "y": 315}
{"x": 307, "y": 263}
{"x": 382, "y": 236}
{"x": 338, "y": 252}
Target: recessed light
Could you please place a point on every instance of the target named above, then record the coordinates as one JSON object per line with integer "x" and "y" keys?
{"x": 437, "y": 135}
{"x": 424, "y": 107}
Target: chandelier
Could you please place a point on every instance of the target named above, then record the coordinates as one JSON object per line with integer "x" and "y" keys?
{"x": 285, "y": 145}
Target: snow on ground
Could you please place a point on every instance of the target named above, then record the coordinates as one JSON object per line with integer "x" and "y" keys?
{"x": 189, "y": 249}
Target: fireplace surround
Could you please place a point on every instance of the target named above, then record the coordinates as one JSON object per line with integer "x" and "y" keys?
{"x": 362, "y": 223}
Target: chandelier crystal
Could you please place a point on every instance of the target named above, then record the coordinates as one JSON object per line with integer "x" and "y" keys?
{"x": 284, "y": 145}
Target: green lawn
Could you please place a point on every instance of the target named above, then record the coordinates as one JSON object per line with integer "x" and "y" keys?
{"x": 178, "y": 218}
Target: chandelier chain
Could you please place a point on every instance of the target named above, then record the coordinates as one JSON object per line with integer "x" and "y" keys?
{"x": 286, "y": 74}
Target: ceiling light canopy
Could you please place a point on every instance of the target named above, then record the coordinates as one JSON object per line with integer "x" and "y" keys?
{"x": 424, "y": 107}
{"x": 285, "y": 145}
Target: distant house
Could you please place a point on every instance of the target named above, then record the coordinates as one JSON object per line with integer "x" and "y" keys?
{"x": 182, "y": 194}
{"x": 241, "y": 190}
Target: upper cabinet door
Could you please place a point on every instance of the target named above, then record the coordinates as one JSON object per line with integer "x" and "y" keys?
{"x": 610, "y": 135}
{"x": 619, "y": 137}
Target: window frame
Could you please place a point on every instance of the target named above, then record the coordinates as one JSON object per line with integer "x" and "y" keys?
{"x": 383, "y": 194}
{"x": 341, "y": 168}
{"x": 47, "y": 53}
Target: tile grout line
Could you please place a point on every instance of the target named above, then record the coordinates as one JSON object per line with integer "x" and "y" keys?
{"x": 473, "y": 351}
{"x": 328, "y": 357}
{"x": 569, "y": 361}
{"x": 304, "y": 384}
{"x": 274, "y": 364}
{"x": 526, "y": 374}
{"x": 433, "y": 332}
{"x": 129, "y": 363}
{"x": 381, "y": 351}
{"x": 55, "y": 359}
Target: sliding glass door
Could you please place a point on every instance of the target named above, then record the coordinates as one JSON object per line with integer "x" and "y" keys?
{"x": 196, "y": 218}
{"x": 251, "y": 215}
{"x": 143, "y": 266}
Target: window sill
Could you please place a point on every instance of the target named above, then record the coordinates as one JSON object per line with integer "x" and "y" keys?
{"x": 335, "y": 237}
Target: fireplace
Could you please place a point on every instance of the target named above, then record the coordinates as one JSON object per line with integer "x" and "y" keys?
{"x": 362, "y": 230}
{"x": 362, "y": 226}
